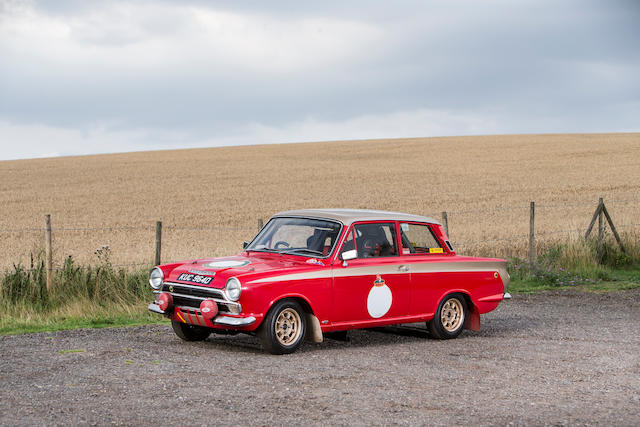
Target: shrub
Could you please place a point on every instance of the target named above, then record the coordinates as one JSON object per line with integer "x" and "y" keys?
{"x": 101, "y": 285}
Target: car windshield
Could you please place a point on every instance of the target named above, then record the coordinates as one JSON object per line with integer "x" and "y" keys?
{"x": 297, "y": 236}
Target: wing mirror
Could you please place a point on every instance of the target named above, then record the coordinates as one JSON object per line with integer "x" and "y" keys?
{"x": 348, "y": 255}
{"x": 244, "y": 245}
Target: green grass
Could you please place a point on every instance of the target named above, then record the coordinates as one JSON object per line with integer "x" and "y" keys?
{"x": 82, "y": 297}
{"x": 12, "y": 325}
{"x": 530, "y": 286}
{"x": 573, "y": 264}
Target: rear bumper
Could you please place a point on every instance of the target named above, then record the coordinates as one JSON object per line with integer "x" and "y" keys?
{"x": 221, "y": 320}
{"x": 506, "y": 296}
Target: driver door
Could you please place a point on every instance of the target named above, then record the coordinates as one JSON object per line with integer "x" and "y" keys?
{"x": 374, "y": 286}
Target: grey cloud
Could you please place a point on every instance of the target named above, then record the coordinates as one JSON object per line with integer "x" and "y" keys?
{"x": 536, "y": 66}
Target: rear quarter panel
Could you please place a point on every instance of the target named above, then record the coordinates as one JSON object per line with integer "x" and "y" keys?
{"x": 432, "y": 278}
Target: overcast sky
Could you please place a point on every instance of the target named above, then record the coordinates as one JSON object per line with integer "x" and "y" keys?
{"x": 80, "y": 77}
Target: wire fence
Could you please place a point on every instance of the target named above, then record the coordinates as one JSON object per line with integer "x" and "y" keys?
{"x": 250, "y": 230}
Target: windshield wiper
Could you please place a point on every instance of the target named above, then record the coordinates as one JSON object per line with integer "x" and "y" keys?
{"x": 262, "y": 250}
{"x": 289, "y": 251}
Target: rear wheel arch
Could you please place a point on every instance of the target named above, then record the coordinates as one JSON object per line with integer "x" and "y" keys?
{"x": 472, "y": 320}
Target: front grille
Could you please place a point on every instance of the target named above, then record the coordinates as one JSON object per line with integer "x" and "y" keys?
{"x": 193, "y": 291}
{"x": 187, "y": 302}
{"x": 192, "y": 296}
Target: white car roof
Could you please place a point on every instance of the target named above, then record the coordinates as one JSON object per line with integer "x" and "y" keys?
{"x": 349, "y": 216}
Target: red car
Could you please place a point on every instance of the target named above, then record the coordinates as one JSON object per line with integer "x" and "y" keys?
{"x": 311, "y": 272}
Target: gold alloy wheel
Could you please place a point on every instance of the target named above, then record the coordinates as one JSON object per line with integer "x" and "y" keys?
{"x": 288, "y": 325}
{"x": 452, "y": 314}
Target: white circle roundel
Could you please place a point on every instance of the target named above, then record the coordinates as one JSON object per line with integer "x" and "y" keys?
{"x": 379, "y": 299}
{"x": 226, "y": 264}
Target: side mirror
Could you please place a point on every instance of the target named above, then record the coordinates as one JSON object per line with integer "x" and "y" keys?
{"x": 348, "y": 255}
{"x": 244, "y": 245}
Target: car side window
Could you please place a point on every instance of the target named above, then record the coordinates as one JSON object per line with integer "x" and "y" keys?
{"x": 376, "y": 240}
{"x": 349, "y": 243}
{"x": 418, "y": 239}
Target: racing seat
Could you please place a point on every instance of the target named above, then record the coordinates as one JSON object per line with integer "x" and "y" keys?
{"x": 316, "y": 241}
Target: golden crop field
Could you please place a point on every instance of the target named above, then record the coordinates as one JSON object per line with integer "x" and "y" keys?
{"x": 210, "y": 200}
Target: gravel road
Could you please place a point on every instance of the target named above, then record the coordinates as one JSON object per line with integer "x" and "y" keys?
{"x": 551, "y": 358}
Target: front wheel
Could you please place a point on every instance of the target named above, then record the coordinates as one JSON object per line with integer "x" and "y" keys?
{"x": 449, "y": 318}
{"x": 282, "y": 331}
{"x": 190, "y": 332}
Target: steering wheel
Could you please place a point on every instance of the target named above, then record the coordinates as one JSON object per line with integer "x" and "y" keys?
{"x": 280, "y": 243}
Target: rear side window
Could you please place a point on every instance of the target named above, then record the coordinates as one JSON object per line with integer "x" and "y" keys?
{"x": 418, "y": 239}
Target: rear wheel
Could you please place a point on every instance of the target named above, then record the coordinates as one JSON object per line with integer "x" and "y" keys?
{"x": 449, "y": 318}
{"x": 282, "y": 331}
{"x": 189, "y": 332}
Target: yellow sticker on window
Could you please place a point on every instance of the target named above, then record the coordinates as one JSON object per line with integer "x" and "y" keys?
{"x": 436, "y": 250}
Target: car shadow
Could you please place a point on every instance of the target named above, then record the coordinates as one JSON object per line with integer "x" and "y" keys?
{"x": 371, "y": 337}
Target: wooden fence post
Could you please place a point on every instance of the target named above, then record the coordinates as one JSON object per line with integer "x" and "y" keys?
{"x": 600, "y": 229}
{"x": 613, "y": 228}
{"x": 598, "y": 214}
{"x": 48, "y": 251}
{"x": 260, "y": 224}
{"x": 445, "y": 224}
{"x": 158, "y": 241}
{"x": 532, "y": 249}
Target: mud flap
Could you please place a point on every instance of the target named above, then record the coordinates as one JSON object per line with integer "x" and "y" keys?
{"x": 473, "y": 321}
{"x": 314, "y": 332}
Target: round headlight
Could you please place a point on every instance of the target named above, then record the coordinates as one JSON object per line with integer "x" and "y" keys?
{"x": 156, "y": 277}
{"x": 233, "y": 289}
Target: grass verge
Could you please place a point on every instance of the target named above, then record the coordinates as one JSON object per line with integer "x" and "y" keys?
{"x": 573, "y": 264}
{"x": 103, "y": 317}
{"x": 82, "y": 297}
{"x": 530, "y": 286}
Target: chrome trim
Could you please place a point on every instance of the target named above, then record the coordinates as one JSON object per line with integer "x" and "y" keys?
{"x": 225, "y": 302}
{"x": 232, "y": 306}
{"x": 155, "y": 308}
{"x": 203, "y": 288}
{"x": 193, "y": 297}
{"x": 234, "y": 321}
{"x": 506, "y": 295}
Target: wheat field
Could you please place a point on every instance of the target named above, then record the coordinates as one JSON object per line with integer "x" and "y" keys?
{"x": 210, "y": 200}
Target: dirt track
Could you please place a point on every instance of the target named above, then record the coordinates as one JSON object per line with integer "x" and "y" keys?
{"x": 552, "y": 358}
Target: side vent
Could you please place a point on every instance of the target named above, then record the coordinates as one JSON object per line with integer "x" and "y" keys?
{"x": 448, "y": 243}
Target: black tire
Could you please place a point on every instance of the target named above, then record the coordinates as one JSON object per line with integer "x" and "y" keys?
{"x": 282, "y": 330}
{"x": 449, "y": 319}
{"x": 190, "y": 332}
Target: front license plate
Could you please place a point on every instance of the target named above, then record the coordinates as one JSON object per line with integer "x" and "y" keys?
{"x": 195, "y": 278}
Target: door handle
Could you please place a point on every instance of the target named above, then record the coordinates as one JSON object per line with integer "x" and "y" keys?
{"x": 403, "y": 268}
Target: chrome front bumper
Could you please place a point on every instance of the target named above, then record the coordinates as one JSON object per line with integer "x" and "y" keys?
{"x": 506, "y": 295}
{"x": 155, "y": 308}
{"x": 218, "y": 320}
